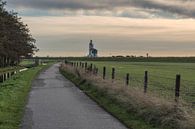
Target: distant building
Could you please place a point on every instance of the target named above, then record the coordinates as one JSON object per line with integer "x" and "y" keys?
{"x": 92, "y": 51}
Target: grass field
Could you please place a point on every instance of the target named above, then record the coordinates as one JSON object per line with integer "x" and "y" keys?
{"x": 161, "y": 76}
{"x": 131, "y": 105}
{"x": 13, "y": 96}
{"x": 26, "y": 62}
{"x": 136, "y": 59}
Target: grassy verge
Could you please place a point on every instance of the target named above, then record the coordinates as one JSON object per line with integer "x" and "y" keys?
{"x": 108, "y": 103}
{"x": 161, "y": 76}
{"x": 13, "y": 97}
{"x": 135, "y": 110}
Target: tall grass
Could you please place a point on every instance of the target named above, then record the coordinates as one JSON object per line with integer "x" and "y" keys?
{"x": 159, "y": 112}
{"x": 161, "y": 76}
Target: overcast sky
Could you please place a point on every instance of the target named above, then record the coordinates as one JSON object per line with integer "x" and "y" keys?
{"x": 117, "y": 27}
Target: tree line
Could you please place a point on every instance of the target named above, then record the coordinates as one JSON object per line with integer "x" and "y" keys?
{"x": 15, "y": 38}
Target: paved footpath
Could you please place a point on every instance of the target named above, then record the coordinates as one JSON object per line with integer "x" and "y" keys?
{"x": 56, "y": 103}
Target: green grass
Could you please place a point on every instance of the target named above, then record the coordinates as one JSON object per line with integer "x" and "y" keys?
{"x": 130, "y": 105}
{"x": 2, "y": 70}
{"x": 161, "y": 76}
{"x": 13, "y": 97}
{"x": 110, "y": 104}
{"x": 137, "y": 59}
{"x": 25, "y": 62}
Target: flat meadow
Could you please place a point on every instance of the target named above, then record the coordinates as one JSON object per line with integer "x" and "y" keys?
{"x": 161, "y": 76}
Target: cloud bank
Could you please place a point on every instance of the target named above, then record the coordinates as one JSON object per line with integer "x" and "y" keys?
{"x": 122, "y": 8}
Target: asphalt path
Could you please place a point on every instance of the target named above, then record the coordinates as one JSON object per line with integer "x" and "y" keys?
{"x": 56, "y": 103}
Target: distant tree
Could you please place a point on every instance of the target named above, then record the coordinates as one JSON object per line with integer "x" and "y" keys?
{"x": 119, "y": 56}
{"x": 15, "y": 38}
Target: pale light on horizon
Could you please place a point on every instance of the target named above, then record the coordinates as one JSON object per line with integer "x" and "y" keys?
{"x": 121, "y": 28}
{"x": 120, "y": 36}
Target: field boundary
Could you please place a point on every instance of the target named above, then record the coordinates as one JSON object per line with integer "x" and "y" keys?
{"x": 155, "y": 111}
{"x": 173, "y": 88}
{"x": 107, "y": 103}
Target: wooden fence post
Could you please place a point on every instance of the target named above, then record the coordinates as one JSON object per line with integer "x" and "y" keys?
{"x": 8, "y": 75}
{"x": 80, "y": 64}
{"x": 104, "y": 73}
{"x": 4, "y": 77}
{"x": 91, "y": 67}
{"x": 1, "y": 78}
{"x": 113, "y": 74}
{"x": 146, "y": 82}
{"x": 127, "y": 79}
{"x": 12, "y": 73}
{"x": 177, "y": 87}
{"x": 85, "y": 65}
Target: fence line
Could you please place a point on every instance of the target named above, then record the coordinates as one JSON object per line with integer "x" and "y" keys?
{"x": 6, "y": 75}
{"x": 146, "y": 83}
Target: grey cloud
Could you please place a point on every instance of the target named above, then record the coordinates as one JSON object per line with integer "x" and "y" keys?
{"x": 182, "y": 8}
{"x": 60, "y": 4}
